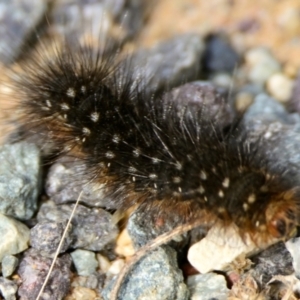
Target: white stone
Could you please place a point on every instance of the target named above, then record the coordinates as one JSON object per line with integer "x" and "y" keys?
{"x": 280, "y": 87}
{"x": 219, "y": 248}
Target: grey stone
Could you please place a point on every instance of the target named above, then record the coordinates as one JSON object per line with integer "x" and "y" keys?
{"x": 46, "y": 237}
{"x": 18, "y": 18}
{"x": 169, "y": 63}
{"x": 92, "y": 228}
{"x": 85, "y": 262}
{"x": 63, "y": 186}
{"x": 98, "y": 20}
{"x": 266, "y": 110}
{"x": 8, "y": 289}
{"x": 207, "y": 287}
{"x": 293, "y": 246}
{"x": 294, "y": 103}
{"x": 216, "y": 106}
{"x": 9, "y": 264}
{"x": 93, "y": 281}
{"x": 19, "y": 180}
{"x": 14, "y": 236}
{"x": 154, "y": 277}
{"x": 219, "y": 56}
{"x": 276, "y": 260}
{"x": 142, "y": 226}
{"x": 33, "y": 271}
{"x": 275, "y": 137}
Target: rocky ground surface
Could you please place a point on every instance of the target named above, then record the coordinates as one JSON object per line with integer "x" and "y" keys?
{"x": 246, "y": 52}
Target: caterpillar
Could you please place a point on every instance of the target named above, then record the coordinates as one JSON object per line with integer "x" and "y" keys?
{"x": 167, "y": 155}
{"x": 154, "y": 151}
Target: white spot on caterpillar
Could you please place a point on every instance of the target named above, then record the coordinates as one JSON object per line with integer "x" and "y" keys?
{"x": 155, "y": 160}
{"x": 176, "y": 179}
{"x": 83, "y": 89}
{"x": 65, "y": 106}
{"x": 221, "y": 194}
{"x": 251, "y": 198}
{"x": 132, "y": 170}
{"x": 86, "y": 131}
{"x": 136, "y": 152}
{"x": 71, "y": 92}
{"x": 48, "y": 103}
{"x": 214, "y": 170}
{"x": 178, "y": 166}
{"x": 203, "y": 175}
{"x": 155, "y": 185}
{"x": 257, "y": 223}
{"x": 108, "y": 165}
{"x": 152, "y": 176}
{"x": 201, "y": 189}
{"x": 264, "y": 189}
{"x": 65, "y": 116}
{"x": 268, "y": 134}
{"x": 110, "y": 155}
{"x": 116, "y": 138}
{"x": 179, "y": 190}
{"x": 101, "y": 164}
{"x": 226, "y": 182}
{"x": 95, "y": 116}
{"x": 245, "y": 206}
{"x": 133, "y": 178}
{"x": 205, "y": 199}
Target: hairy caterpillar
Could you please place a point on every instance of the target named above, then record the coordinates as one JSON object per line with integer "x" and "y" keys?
{"x": 168, "y": 155}
{"x": 151, "y": 150}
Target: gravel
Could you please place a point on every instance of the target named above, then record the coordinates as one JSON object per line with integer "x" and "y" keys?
{"x": 35, "y": 206}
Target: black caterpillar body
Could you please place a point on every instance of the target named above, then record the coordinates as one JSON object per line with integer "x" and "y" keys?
{"x": 151, "y": 151}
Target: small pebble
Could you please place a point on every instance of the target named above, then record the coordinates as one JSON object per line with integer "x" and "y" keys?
{"x": 207, "y": 287}
{"x": 19, "y": 180}
{"x": 261, "y": 64}
{"x": 124, "y": 246}
{"x": 9, "y": 264}
{"x": 280, "y": 87}
{"x": 243, "y": 100}
{"x": 14, "y": 236}
{"x": 227, "y": 247}
{"x": 289, "y": 21}
{"x": 219, "y": 56}
{"x": 104, "y": 263}
{"x": 94, "y": 281}
{"x": 17, "y": 20}
{"x": 275, "y": 260}
{"x": 33, "y": 270}
{"x": 92, "y": 228}
{"x": 85, "y": 262}
{"x": 156, "y": 276}
{"x": 293, "y": 246}
{"x": 223, "y": 80}
{"x": 8, "y": 289}
{"x": 46, "y": 237}
{"x": 82, "y": 293}
{"x": 164, "y": 64}
{"x": 116, "y": 267}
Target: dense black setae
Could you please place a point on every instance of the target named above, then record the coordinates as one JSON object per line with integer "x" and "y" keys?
{"x": 152, "y": 150}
